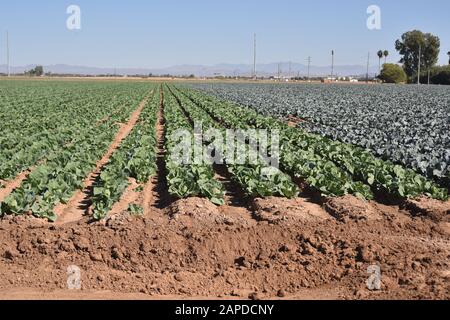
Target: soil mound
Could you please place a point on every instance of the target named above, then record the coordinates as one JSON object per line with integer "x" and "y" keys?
{"x": 351, "y": 208}
{"x": 278, "y": 210}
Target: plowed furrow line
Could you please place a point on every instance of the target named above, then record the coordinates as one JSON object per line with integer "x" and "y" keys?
{"x": 159, "y": 185}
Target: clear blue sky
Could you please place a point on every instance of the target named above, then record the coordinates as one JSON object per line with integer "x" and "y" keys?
{"x": 160, "y": 33}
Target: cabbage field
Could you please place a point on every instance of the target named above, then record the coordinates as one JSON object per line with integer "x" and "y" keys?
{"x": 408, "y": 125}
{"x": 55, "y": 133}
{"x": 84, "y": 145}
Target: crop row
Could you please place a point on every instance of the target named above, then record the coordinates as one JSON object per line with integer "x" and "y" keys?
{"x": 333, "y": 167}
{"x": 321, "y": 174}
{"x": 404, "y": 124}
{"x": 64, "y": 171}
{"x": 39, "y": 127}
{"x": 256, "y": 178}
{"x": 135, "y": 158}
{"x": 186, "y": 179}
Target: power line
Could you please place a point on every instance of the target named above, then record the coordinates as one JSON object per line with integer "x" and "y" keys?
{"x": 332, "y": 63}
{"x": 254, "y": 56}
{"x": 368, "y": 64}
{"x": 7, "y": 54}
{"x": 309, "y": 66}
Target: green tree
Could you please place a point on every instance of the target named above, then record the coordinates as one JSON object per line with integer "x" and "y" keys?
{"x": 39, "y": 71}
{"x": 409, "y": 46}
{"x": 380, "y": 56}
{"x": 393, "y": 73}
{"x": 440, "y": 75}
{"x": 386, "y": 54}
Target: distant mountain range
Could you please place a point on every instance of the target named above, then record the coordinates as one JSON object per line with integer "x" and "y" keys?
{"x": 270, "y": 69}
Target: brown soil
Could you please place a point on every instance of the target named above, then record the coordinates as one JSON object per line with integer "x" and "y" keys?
{"x": 193, "y": 209}
{"x": 79, "y": 204}
{"x": 351, "y": 208}
{"x": 293, "y": 121}
{"x": 434, "y": 209}
{"x": 192, "y": 249}
{"x": 278, "y": 210}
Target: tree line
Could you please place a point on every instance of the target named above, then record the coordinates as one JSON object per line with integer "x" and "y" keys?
{"x": 38, "y": 71}
{"x": 419, "y": 53}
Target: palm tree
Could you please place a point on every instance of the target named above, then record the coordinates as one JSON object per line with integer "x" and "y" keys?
{"x": 385, "y": 53}
{"x": 380, "y": 55}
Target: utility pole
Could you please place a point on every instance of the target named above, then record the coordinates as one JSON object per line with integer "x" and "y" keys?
{"x": 420, "y": 61}
{"x": 368, "y": 64}
{"x": 7, "y": 54}
{"x": 254, "y": 57}
{"x": 290, "y": 69}
{"x": 309, "y": 66}
{"x": 332, "y": 64}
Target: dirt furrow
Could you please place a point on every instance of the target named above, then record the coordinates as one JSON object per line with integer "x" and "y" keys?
{"x": 80, "y": 203}
{"x": 159, "y": 196}
{"x": 294, "y": 121}
{"x": 236, "y": 202}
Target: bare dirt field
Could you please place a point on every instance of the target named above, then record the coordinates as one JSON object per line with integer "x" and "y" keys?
{"x": 272, "y": 249}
